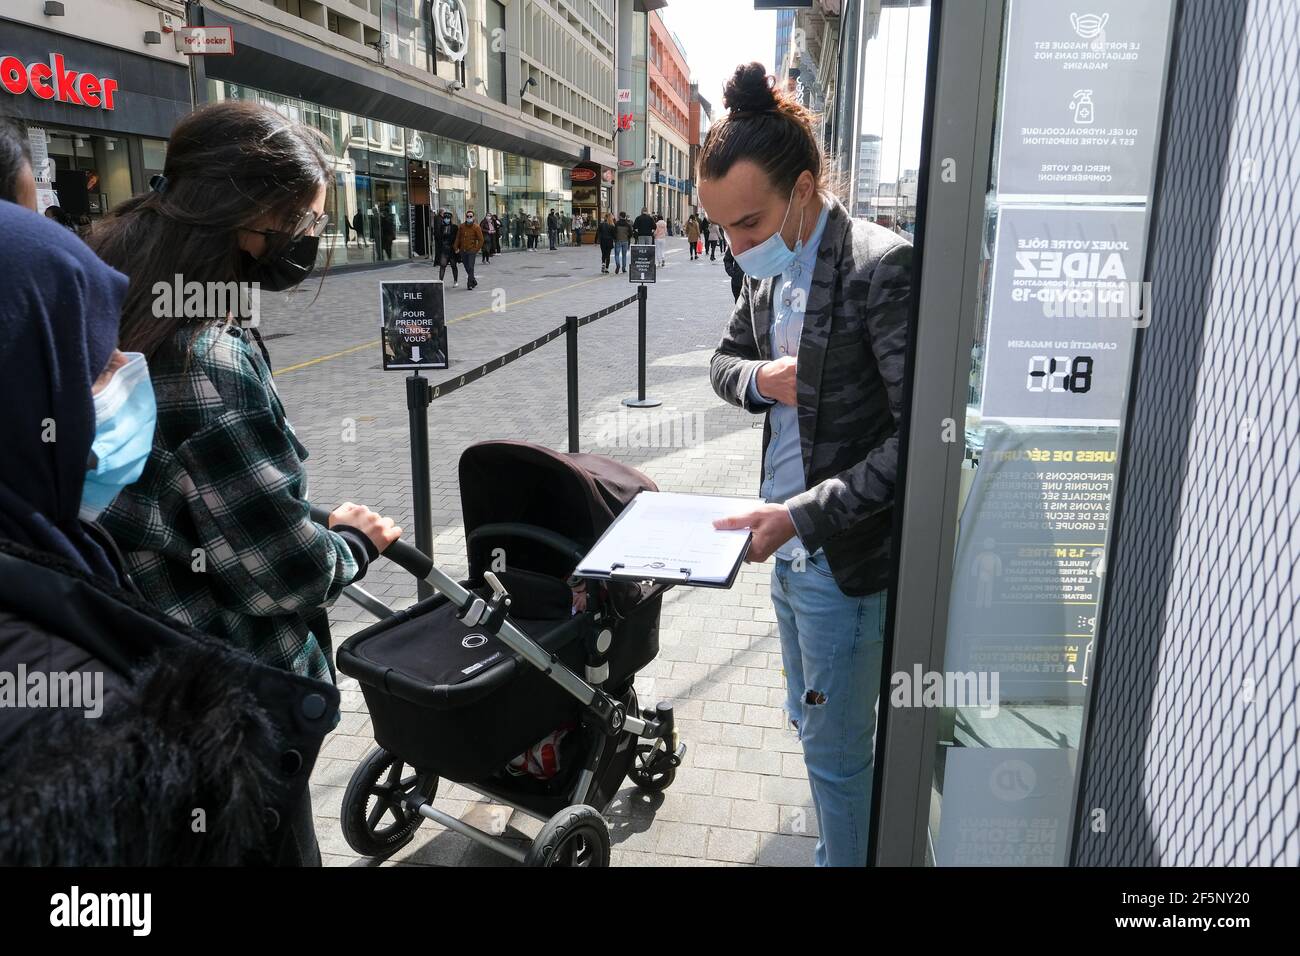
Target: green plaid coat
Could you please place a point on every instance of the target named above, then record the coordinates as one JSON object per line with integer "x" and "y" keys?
{"x": 217, "y": 531}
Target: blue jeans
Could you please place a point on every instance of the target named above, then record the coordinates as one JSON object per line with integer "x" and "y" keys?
{"x": 832, "y": 646}
{"x": 620, "y": 255}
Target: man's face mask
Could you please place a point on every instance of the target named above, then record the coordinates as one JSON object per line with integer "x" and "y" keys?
{"x": 772, "y": 257}
{"x": 125, "y": 414}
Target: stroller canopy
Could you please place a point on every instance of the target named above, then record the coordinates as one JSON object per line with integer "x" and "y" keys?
{"x": 572, "y": 494}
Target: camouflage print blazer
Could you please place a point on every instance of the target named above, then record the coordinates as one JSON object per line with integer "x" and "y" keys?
{"x": 850, "y": 391}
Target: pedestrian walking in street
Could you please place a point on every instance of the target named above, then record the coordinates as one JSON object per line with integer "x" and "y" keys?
{"x": 623, "y": 234}
{"x": 169, "y": 720}
{"x": 734, "y": 273}
{"x": 710, "y": 243}
{"x": 693, "y": 236}
{"x": 225, "y": 480}
{"x": 387, "y": 233}
{"x": 644, "y": 226}
{"x": 829, "y": 491}
{"x": 661, "y": 240}
{"x": 359, "y": 227}
{"x": 56, "y": 214}
{"x": 444, "y": 245}
{"x": 489, "y": 236}
{"x": 468, "y": 242}
{"x": 605, "y": 239}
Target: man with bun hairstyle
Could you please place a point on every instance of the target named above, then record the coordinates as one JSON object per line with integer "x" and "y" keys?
{"x": 816, "y": 343}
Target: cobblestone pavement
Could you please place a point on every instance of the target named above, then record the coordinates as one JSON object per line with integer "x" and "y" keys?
{"x": 742, "y": 795}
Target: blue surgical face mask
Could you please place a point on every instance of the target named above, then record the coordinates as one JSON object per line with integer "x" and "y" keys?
{"x": 772, "y": 256}
{"x": 125, "y": 414}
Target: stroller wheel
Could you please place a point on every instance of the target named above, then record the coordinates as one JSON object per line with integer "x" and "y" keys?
{"x": 576, "y": 836}
{"x": 651, "y": 770}
{"x": 376, "y": 819}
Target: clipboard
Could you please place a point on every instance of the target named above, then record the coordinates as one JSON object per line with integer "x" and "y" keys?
{"x": 659, "y": 572}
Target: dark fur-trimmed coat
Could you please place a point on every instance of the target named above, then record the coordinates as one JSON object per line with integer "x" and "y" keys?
{"x": 188, "y": 725}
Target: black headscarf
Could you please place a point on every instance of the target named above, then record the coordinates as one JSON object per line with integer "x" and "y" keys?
{"x": 59, "y": 313}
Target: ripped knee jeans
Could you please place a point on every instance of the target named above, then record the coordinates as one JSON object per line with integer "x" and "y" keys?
{"x": 832, "y": 647}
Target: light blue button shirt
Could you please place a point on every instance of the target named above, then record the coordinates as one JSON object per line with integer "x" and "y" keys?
{"x": 783, "y": 465}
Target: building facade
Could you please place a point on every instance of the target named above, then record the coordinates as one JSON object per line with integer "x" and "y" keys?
{"x": 868, "y": 175}
{"x": 97, "y": 111}
{"x": 495, "y": 106}
{"x": 822, "y": 64}
{"x": 701, "y": 120}
{"x": 504, "y": 106}
{"x": 784, "y": 29}
{"x": 668, "y": 120}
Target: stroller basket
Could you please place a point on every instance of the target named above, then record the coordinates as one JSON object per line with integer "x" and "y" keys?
{"x": 453, "y": 700}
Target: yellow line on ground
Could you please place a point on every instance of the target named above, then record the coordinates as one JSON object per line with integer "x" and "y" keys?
{"x": 459, "y": 318}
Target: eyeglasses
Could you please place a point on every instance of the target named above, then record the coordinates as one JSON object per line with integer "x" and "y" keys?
{"x": 309, "y": 224}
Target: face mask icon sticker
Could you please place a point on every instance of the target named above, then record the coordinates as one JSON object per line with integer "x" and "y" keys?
{"x": 1088, "y": 25}
{"x": 1082, "y": 106}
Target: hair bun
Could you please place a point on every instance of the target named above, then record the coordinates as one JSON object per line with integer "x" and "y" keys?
{"x": 749, "y": 89}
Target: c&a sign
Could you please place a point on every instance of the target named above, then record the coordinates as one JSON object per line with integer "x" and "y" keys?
{"x": 54, "y": 81}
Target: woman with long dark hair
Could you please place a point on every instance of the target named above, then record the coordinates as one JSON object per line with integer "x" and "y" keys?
{"x": 816, "y": 343}
{"x": 217, "y": 531}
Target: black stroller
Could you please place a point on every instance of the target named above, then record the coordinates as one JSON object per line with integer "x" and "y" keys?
{"x": 464, "y": 685}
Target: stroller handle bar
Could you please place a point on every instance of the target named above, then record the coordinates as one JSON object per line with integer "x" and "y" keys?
{"x": 408, "y": 558}
{"x": 475, "y": 612}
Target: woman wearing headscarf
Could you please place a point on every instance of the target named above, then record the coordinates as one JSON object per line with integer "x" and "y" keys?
{"x": 123, "y": 738}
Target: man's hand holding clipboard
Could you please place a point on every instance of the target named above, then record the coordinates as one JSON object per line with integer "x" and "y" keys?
{"x": 770, "y": 526}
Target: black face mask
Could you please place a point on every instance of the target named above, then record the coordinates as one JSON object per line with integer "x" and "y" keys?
{"x": 286, "y": 268}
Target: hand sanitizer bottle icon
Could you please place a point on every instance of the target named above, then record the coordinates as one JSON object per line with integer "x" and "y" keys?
{"x": 1082, "y": 106}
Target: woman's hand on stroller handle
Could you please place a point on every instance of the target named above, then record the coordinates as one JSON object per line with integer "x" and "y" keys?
{"x": 381, "y": 531}
{"x": 408, "y": 558}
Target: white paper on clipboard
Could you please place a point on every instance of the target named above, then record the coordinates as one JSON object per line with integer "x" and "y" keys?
{"x": 666, "y": 533}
